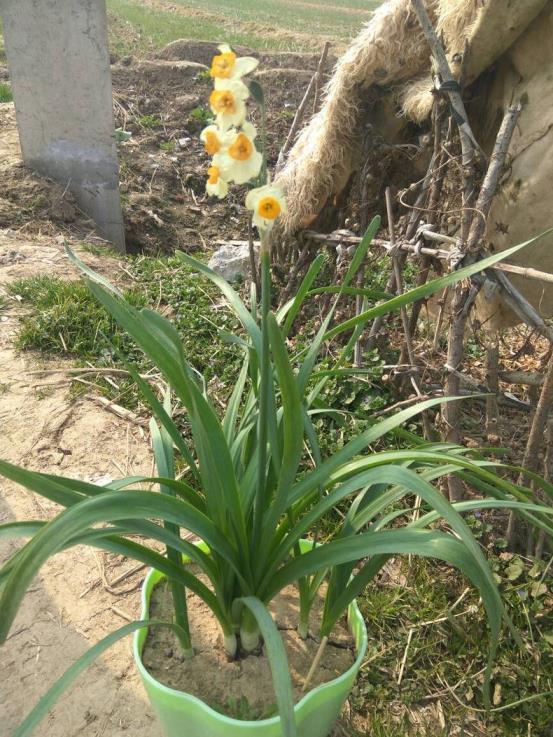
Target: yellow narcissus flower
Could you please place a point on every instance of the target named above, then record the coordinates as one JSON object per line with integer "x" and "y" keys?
{"x": 227, "y": 102}
{"x": 216, "y": 185}
{"x": 214, "y": 139}
{"x": 227, "y": 66}
{"x": 267, "y": 204}
{"x": 211, "y": 137}
{"x": 240, "y": 161}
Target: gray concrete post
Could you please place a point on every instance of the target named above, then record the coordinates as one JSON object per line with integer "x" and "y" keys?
{"x": 61, "y": 81}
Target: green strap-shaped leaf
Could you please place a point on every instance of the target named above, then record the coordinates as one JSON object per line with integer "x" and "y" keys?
{"x": 322, "y": 473}
{"x": 109, "y": 539}
{"x": 90, "y": 273}
{"x": 233, "y": 407}
{"x": 361, "y": 251}
{"x": 292, "y": 423}
{"x": 240, "y": 309}
{"x": 430, "y": 544}
{"x": 108, "y": 507}
{"x": 159, "y": 340}
{"x": 292, "y": 308}
{"x": 159, "y": 412}
{"x": 278, "y": 662}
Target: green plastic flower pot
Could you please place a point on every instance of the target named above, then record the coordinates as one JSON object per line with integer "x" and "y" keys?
{"x": 183, "y": 715}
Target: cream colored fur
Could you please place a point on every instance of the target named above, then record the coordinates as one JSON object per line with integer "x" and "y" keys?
{"x": 390, "y": 52}
{"x": 389, "y": 49}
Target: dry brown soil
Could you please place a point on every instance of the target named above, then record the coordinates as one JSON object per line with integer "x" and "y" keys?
{"x": 246, "y": 681}
{"x": 71, "y": 605}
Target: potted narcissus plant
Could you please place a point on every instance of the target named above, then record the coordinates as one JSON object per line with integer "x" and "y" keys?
{"x": 257, "y": 582}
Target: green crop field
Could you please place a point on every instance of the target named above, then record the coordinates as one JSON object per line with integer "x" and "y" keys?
{"x": 296, "y": 25}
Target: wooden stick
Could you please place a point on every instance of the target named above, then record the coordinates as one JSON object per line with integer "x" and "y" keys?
{"x": 491, "y": 180}
{"x": 86, "y": 370}
{"x": 319, "y": 75}
{"x": 300, "y": 112}
{"x": 404, "y": 659}
{"x": 116, "y": 409}
{"x": 435, "y": 190}
{"x": 427, "y": 426}
{"x": 450, "y": 84}
{"x": 345, "y": 237}
{"x": 301, "y": 261}
{"x": 535, "y": 441}
{"x": 492, "y": 380}
{"x": 465, "y": 295}
{"x": 521, "y": 307}
{"x": 548, "y": 475}
{"x": 315, "y": 663}
{"x": 439, "y": 321}
{"x": 521, "y": 377}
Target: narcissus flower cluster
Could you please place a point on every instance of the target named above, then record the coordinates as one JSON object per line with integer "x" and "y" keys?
{"x": 230, "y": 141}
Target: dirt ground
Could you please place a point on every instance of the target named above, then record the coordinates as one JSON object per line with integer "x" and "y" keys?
{"x": 217, "y": 681}
{"x": 71, "y": 605}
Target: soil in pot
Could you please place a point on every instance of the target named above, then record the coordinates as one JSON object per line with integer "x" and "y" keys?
{"x": 241, "y": 688}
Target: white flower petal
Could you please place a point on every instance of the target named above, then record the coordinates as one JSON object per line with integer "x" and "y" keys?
{"x": 219, "y": 189}
{"x": 252, "y": 198}
{"x": 224, "y": 48}
{"x": 244, "y": 65}
{"x": 256, "y": 195}
{"x": 238, "y": 172}
{"x": 238, "y": 88}
{"x": 250, "y": 130}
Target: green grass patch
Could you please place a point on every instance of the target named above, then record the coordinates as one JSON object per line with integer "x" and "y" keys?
{"x": 447, "y": 648}
{"x": 201, "y": 115}
{"x": 320, "y": 18}
{"x": 64, "y": 319}
{"x": 149, "y": 122}
{"x": 138, "y": 29}
{"x": 103, "y": 251}
{"x": 145, "y": 30}
{"x": 5, "y": 92}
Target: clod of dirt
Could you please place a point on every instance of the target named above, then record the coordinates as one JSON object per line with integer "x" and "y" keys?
{"x": 283, "y": 75}
{"x": 241, "y": 688}
{"x": 156, "y": 73}
{"x": 199, "y": 51}
{"x": 203, "y": 51}
{"x": 26, "y": 197}
{"x": 149, "y": 222}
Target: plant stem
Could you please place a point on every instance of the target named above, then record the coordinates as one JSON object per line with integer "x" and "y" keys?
{"x": 249, "y": 631}
{"x": 231, "y": 645}
{"x": 265, "y": 377}
{"x": 315, "y": 663}
{"x": 178, "y": 593}
{"x": 303, "y": 624}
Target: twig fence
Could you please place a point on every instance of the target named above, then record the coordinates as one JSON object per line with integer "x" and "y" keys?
{"x": 418, "y": 236}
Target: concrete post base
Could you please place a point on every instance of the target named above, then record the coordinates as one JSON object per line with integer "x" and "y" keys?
{"x": 61, "y": 81}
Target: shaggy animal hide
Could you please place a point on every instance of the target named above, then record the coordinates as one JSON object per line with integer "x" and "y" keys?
{"x": 392, "y": 55}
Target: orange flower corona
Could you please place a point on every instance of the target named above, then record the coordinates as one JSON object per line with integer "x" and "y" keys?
{"x": 211, "y": 143}
{"x": 222, "y": 65}
{"x": 213, "y": 173}
{"x": 222, "y": 101}
{"x": 268, "y": 208}
{"x": 242, "y": 148}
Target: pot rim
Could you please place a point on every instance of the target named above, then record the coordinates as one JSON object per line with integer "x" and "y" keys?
{"x": 353, "y": 613}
